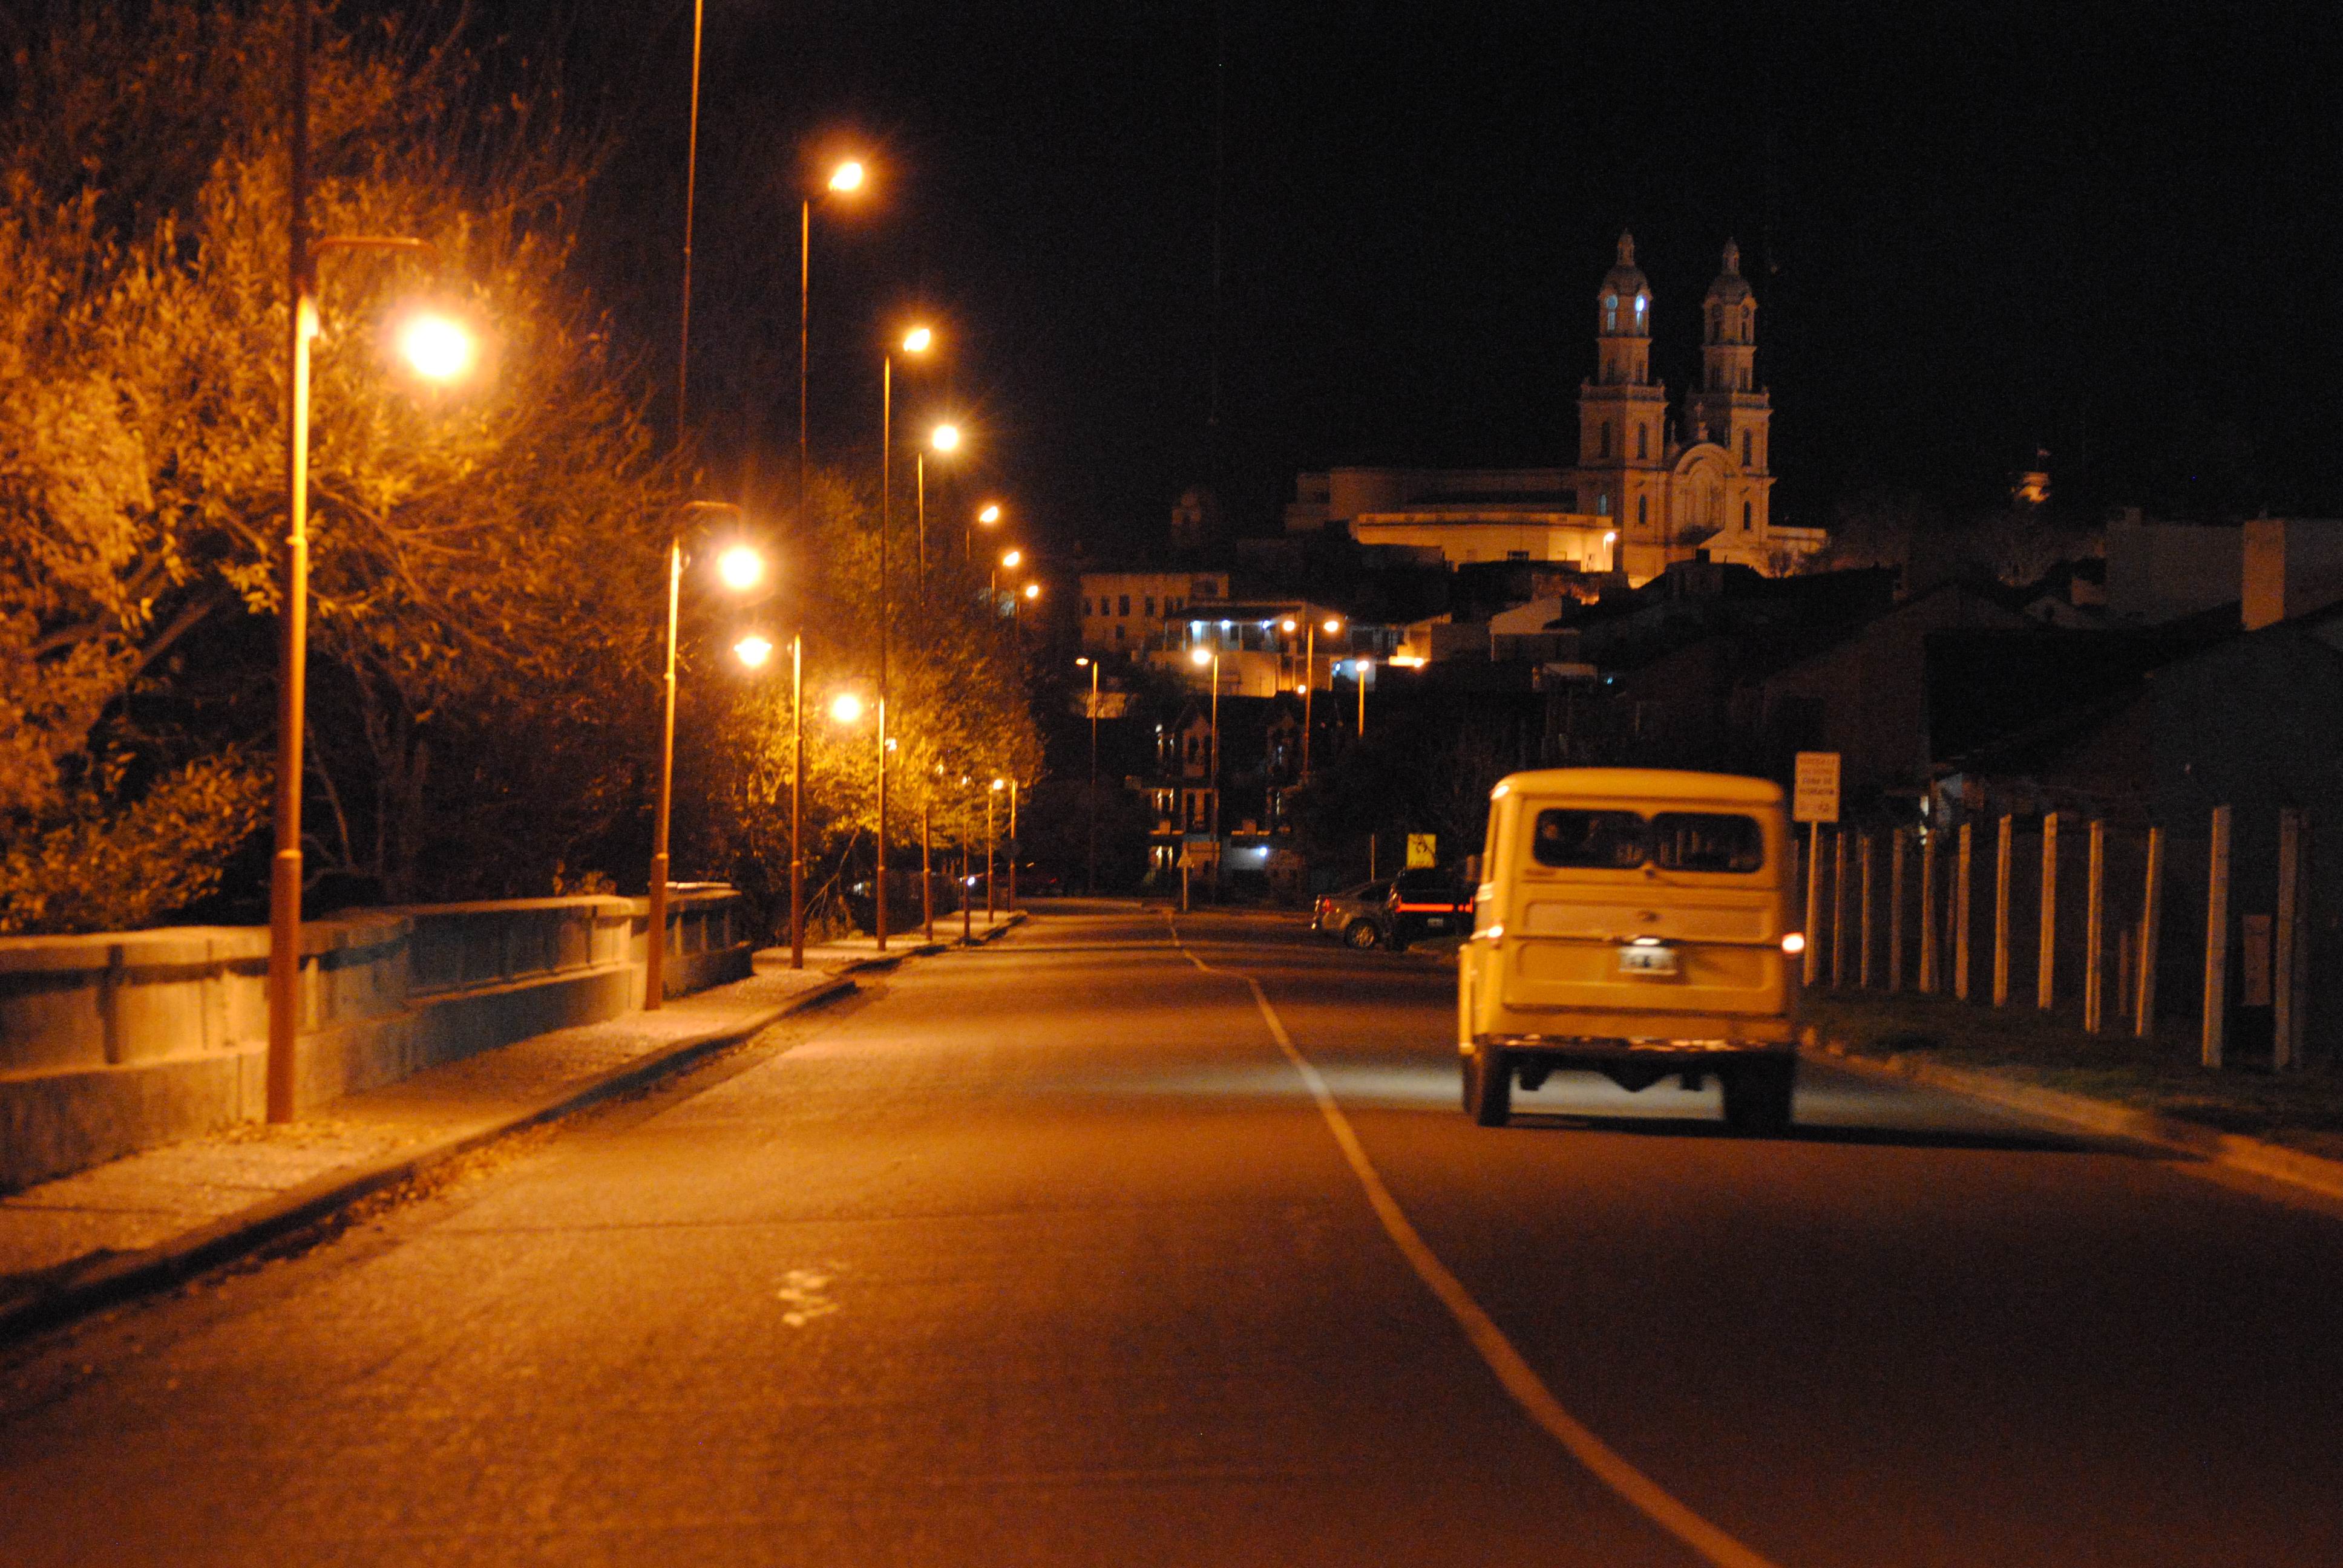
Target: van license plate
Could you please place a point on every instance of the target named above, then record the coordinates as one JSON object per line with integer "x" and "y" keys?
{"x": 1647, "y": 959}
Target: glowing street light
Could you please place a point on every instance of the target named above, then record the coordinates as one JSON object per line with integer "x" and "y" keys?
{"x": 740, "y": 568}
{"x": 992, "y": 513}
{"x": 1091, "y": 881}
{"x": 848, "y": 177}
{"x": 845, "y": 707}
{"x": 1201, "y": 657}
{"x": 1012, "y": 559}
{"x": 1033, "y": 591}
{"x": 437, "y": 347}
{"x": 753, "y": 651}
{"x": 945, "y": 440}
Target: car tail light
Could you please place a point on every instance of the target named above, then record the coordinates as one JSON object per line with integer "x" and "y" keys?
{"x": 1793, "y": 943}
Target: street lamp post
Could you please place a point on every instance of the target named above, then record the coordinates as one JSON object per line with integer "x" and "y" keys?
{"x": 845, "y": 179}
{"x": 918, "y": 340}
{"x": 438, "y": 350}
{"x": 1089, "y": 882}
{"x": 740, "y": 568}
{"x": 1310, "y": 675}
{"x": 1012, "y": 847}
{"x": 991, "y": 846}
{"x": 1201, "y": 658}
{"x": 944, "y": 439}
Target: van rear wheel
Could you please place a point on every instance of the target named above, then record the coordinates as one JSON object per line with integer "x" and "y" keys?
{"x": 1489, "y": 1086}
{"x": 1757, "y": 1096}
{"x": 1361, "y": 935}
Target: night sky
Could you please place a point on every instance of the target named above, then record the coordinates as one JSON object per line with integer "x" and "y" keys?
{"x": 2111, "y": 233}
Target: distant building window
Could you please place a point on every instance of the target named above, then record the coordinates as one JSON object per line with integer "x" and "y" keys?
{"x": 1150, "y": 607}
{"x": 1122, "y": 605}
{"x": 1517, "y": 555}
{"x": 1643, "y": 512}
{"x": 1086, "y": 604}
{"x": 1601, "y": 506}
{"x": 1643, "y": 441}
{"x": 1748, "y": 515}
{"x": 1604, "y": 450}
{"x": 1117, "y": 632}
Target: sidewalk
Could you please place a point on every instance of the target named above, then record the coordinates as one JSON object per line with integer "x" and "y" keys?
{"x": 148, "y": 1220}
{"x": 2289, "y": 1128}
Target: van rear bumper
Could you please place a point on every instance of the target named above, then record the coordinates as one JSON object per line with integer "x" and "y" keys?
{"x": 1695, "y": 1036}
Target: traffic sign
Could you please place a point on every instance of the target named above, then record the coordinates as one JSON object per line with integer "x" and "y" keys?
{"x": 1422, "y": 849}
{"x": 1814, "y": 798}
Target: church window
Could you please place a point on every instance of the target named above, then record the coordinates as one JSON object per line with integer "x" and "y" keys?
{"x": 1642, "y": 510}
{"x": 1604, "y": 450}
{"x": 1641, "y": 305}
{"x": 1601, "y": 506}
{"x": 1643, "y": 441}
{"x": 1745, "y": 324}
{"x": 1748, "y": 513}
{"x": 1610, "y": 313}
{"x": 1746, "y": 448}
{"x": 1715, "y": 321}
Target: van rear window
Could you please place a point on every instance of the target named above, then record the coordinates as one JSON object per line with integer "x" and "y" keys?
{"x": 1671, "y": 840}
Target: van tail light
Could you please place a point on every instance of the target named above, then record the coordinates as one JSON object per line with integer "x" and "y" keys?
{"x": 1793, "y": 943}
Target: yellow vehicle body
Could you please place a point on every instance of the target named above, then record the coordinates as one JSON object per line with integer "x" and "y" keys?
{"x": 1631, "y": 921}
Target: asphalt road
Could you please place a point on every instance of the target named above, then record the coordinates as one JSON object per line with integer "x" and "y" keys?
{"x": 1048, "y": 1253}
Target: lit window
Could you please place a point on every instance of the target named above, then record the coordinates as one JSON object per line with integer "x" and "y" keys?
{"x": 1610, "y": 313}
{"x": 1601, "y": 506}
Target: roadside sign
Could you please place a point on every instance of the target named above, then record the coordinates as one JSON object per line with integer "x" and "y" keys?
{"x": 1422, "y": 849}
{"x": 1814, "y": 798}
{"x": 1196, "y": 857}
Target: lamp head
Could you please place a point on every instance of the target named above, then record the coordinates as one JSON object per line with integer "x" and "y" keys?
{"x": 1033, "y": 590}
{"x": 753, "y": 651}
{"x": 1012, "y": 558}
{"x": 845, "y": 707}
{"x": 1200, "y": 656}
{"x": 437, "y": 347}
{"x": 1334, "y": 623}
{"x": 1286, "y": 625}
{"x": 740, "y": 568}
{"x": 1083, "y": 663}
{"x": 919, "y": 340}
{"x": 992, "y": 513}
{"x": 945, "y": 437}
{"x": 848, "y": 177}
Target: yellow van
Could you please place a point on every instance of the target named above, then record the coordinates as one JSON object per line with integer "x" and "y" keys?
{"x": 1638, "y": 923}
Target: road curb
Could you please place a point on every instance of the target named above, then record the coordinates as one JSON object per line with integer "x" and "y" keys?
{"x": 2230, "y": 1151}
{"x": 85, "y": 1285}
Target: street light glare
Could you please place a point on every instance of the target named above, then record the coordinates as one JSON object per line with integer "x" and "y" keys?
{"x": 946, "y": 439}
{"x": 1200, "y": 656}
{"x": 439, "y": 349}
{"x": 918, "y": 340}
{"x": 848, "y": 177}
{"x": 1333, "y": 624}
{"x": 740, "y": 567}
{"x": 1285, "y": 625}
{"x": 1033, "y": 590}
{"x": 1014, "y": 557}
{"x": 1081, "y": 664}
{"x": 846, "y": 708}
{"x": 753, "y": 651}
{"x": 992, "y": 513}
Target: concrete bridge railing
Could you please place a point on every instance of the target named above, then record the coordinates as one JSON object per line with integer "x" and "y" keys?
{"x": 120, "y": 1040}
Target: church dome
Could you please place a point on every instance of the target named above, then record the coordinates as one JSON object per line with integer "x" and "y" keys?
{"x": 1730, "y": 288}
{"x": 1626, "y": 280}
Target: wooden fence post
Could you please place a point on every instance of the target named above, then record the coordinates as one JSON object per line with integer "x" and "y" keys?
{"x": 1896, "y": 908}
{"x": 1814, "y": 902}
{"x": 2046, "y": 964}
{"x": 1839, "y": 911}
{"x": 2001, "y": 913}
{"x": 1961, "y": 915}
{"x": 2293, "y": 931}
{"x": 2151, "y": 926}
{"x": 2095, "y": 928}
{"x": 1863, "y": 955}
{"x": 2217, "y": 939}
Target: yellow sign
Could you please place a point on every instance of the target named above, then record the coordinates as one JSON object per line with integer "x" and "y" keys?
{"x": 1815, "y": 797}
{"x": 1422, "y": 849}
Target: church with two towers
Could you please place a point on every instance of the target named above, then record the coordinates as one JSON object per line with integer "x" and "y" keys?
{"x": 1648, "y": 488}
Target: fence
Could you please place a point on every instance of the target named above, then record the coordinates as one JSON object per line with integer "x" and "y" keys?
{"x": 2212, "y": 928}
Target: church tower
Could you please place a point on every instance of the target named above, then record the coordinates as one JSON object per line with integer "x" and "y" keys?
{"x": 1623, "y": 452}
{"x": 1730, "y": 409}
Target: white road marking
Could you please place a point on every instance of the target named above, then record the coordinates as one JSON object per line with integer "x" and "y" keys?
{"x": 802, "y": 1289}
{"x": 1639, "y": 1490}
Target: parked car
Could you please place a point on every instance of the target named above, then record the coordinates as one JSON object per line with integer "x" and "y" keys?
{"x": 1424, "y": 902}
{"x": 1356, "y": 915}
{"x": 1640, "y": 924}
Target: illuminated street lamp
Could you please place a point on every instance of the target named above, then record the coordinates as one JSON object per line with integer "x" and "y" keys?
{"x": 1091, "y": 879}
{"x": 918, "y": 340}
{"x": 1333, "y": 624}
{"x": 437, "y": 349}
{"x": 988, "y": 514}
{"x": 845, "y": 179}
{"x": 1201, "y": 657}
{"x": 945, "y": 440}
{"x": 753, "y": 651}
{"x": 1010, "y": 561}
{"x": 739, "y": 568}
{"x": 991, "y": 846}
